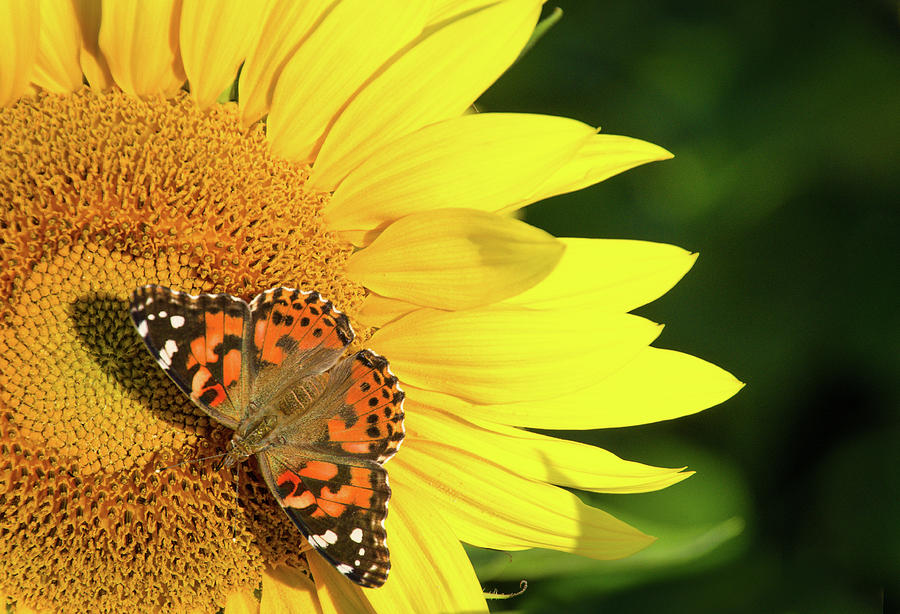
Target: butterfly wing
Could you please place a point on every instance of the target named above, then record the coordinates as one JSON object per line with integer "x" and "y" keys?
{"x": 198, "y": 342}
{"x": 334, "y": 488}
{"x": 294, "y": 335}
{"x": 339, "y": 507}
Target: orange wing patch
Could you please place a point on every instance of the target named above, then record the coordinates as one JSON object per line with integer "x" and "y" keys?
{"x": 294, "y": 319}
{"x": 321, "y": 488}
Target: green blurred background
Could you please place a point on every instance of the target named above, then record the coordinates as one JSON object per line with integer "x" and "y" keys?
{"x": 785, "y": 122}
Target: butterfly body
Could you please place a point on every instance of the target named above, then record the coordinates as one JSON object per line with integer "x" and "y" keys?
{"x": 320, "y": 425}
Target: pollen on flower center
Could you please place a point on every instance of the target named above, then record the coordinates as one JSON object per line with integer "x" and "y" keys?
{"x": 102, "y": 193}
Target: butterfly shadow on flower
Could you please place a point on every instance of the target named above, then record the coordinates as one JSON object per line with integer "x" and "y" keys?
{"x": 105, "y": 331}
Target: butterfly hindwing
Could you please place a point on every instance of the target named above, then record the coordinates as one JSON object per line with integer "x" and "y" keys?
{"x": 339, "y": 507}
{"x": 198, "y": 341}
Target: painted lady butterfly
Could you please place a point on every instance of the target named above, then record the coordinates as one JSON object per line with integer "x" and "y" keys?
{"x": 321, "y": 426}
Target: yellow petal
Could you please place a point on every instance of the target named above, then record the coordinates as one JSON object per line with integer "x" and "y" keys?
{"x": 437, "y": 78}
{"x": 93, "y": 64}
{"x": 337, "y": 594}
{"x": 430, "y": 571}
{"x": 488, "y": 506}
{"x": 350, "y": 43}
{"x": 140, "y": 43}
{"x": 657, "y": 385}
{"x": 608, "y": 275}
{"x": 601, "y": 157}
{"x": 445, "y": 9}
{"x": 57, "y": 68}
{"x": 455, "y": 258}
{"x": 287, "y": 591}
{"x": 19, "y": 35}
{"x": 535, "y": 456}
{"x": 241, "y": 602}
{"x": 482, "y": 161}
{"x": 287, "y": 24}
{"x": 215, "y": 38}
{"x": 496, "y": 355}
{"x": 378, "y": 310}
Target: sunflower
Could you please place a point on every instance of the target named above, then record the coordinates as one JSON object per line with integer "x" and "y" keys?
{"x": 348, "y": 165}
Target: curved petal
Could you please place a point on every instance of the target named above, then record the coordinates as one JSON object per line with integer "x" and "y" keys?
{"x": 287, "y": 591}
{"x": 657, "y": 385}
{"x": 438, "y": 77}
{"x": 19, "y": 35}
{"x": 140, "y": 43}
{"x": 481, "y": 161}
{"x": 214, "y": 39}
{"x": 608, "y": 275}
{"x": 286, "y": 25}
{"x": 58, "y": 68}
{"x": 336, "y": 594}
{"x": 600, "y": 158}
{"x": 93, "y": 64}
{"x": 378, "y": 310}
{"x": 488, "y": 506}
{"x": 536, "y": 456}
{"x": 349, "y": 44}
{"x": 446, "y": 9}
{"x": 455, "y": 258}
{"x": 431, "y": 572}
{"x": 496, "y": 355}
{"x": 241, "y": 602}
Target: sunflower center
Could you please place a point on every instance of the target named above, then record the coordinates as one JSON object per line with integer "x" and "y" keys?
{"x": 101, "y": 193}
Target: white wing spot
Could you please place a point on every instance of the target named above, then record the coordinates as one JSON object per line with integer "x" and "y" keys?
{"x": 318, "y": 541}
{"x": 356, "y": 562}
{"x": 151, "y": 317}
{"x": 330, "y": 536}
{"x": 176, "y": 321}
{"x": 344, "y": 568}
{"x": 142, "y": 328}
{"x": 162, "y": 314}
{"x": 356, "y": 535}
{"x": 165, "y": 354}
{"x": 362, "y": 551}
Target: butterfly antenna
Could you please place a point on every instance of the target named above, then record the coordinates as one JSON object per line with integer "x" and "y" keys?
{"x": 189, "y": 461}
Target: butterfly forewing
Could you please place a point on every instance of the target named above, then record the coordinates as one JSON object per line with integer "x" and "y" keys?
{"x": 198, "y": 342}
{"x": 294, "y": 335}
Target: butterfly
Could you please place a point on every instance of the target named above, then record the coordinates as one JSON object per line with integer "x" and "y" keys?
{"x": 321, "y": 426}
